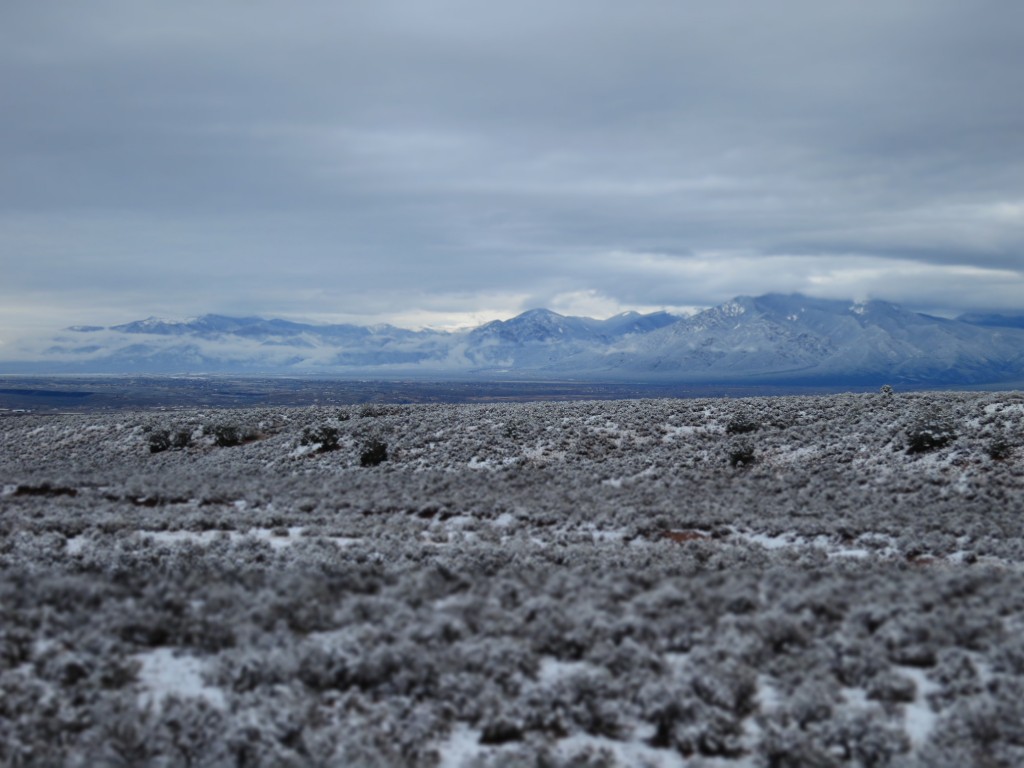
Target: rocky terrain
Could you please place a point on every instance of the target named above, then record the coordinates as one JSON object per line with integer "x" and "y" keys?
{"x": 791, "y": 581}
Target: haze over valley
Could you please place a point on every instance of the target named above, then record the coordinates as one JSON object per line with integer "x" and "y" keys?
{"x": 780, "y": 339}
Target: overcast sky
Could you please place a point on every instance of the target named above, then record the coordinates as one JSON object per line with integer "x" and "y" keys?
{"x": 442, "y": 162}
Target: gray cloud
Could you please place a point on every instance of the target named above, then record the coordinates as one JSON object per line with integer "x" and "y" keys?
{"x": 376, "y": 160}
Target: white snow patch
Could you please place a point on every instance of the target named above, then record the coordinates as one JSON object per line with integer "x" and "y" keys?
{"x": 343, "y": 541}
{"x": 793, "y": 455}
{"x": 767, "y": 541}
{"x": 476, "y": 463}
{"x": 551, "y": 670}
{"x": 678, "y": 662}
{"x": 768, "y": 696}
{"x": 634, "y": 753}
{"x": 461, "y": 747}
{"x": 459, "y": 522}
{"x": 856, "y": 552}
{"x": 857, "y": 698}
{"x": 919, "y": 717}
{"x": 604, "y": 534}
{"x": 162, "y": 673}
{"x": 274, "y": 537}
{"x": 984, "y": 669}
{"x": 866, "y": 545}
{"x": 543, "y": 453}
{"x": 504, "y": 520}
{"x": 1004, "y": 408}
{"x": 674, "y": 431}
{"x": 177, "y": 537}
{"x": 8, "y": 490}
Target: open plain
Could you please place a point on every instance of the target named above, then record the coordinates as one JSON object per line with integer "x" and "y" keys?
{"x": 787, "y": 581}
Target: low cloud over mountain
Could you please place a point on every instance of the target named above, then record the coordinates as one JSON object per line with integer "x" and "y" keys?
{"x": 778, "y": 338}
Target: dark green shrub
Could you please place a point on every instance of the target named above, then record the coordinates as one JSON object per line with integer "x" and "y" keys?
{"x": 741, "y": 425}
{"x": 1000, "y": 449}
{"x": 742, "y": 456}
{"x": 376, "y": 411}
{"x": 226, "y": 435}
{"x": 159, "y": 441}
{"x": 375, "y": 453}
{"x": 324, "y": 436}
{"x": 929, "y": 437}
{"x": 181, "y": 439}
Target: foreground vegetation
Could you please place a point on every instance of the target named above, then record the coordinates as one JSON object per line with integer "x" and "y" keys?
{"x": 759, "y": 582}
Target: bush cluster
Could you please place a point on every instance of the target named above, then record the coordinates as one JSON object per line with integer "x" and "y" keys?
{"x": 542, "y": 583}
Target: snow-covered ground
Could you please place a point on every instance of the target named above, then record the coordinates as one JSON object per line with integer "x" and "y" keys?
{"x": 779, "y": 581}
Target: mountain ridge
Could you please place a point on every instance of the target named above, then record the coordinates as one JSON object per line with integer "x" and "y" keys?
{"x": 775, "y": 337}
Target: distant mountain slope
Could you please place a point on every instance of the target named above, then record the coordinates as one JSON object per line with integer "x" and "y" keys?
{"x": 795, "y": 336}
{"x": 774, "y": 337}
{"x": 993, "y": 321}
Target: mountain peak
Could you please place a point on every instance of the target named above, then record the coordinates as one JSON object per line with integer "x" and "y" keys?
{"x": 538, "y": 312}
{"x": 777, "y": 337}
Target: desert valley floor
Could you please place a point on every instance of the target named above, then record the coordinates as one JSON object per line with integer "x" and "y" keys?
{"x": 787, "y": 581}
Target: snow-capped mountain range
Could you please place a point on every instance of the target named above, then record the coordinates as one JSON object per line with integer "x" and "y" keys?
{"x": 779, "y": 338}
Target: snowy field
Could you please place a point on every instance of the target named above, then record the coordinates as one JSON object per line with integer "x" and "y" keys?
{"x": 803, "y": 581}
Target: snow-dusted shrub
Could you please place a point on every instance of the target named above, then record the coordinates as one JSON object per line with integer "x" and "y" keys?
{"x": 15, "y": 646}
{"x": 862, "y": 737}
{"x": 325, "y": 437}
{"x": 592, "y": 700}
{"x": 912, "y": 641}
{"x": 125, "y": 734}
{"x": 930, "y": 436}
{"x": 159, "y": 441}
{"x": 786, "y": 745}
{"x": 742, "y": 455}
{"x": 374, "y": 453}
{"x": 514, "y": 429}
{"x": 892, "y": 687}
{"x": 376, "y": 411}
{"x": 853, "y": 660}
{"x": 724, "y": 683}
{"x": 502, "y": 727}
{"x": 544, "y": 598}
{"x": 781, "y": 632}
{"x": 190, "y": 731}
{"x": 181, "y": 438}
{"x": 958, "y": 676}
{"x": 1000, "y": 449}
{"x": 230, "y": 435}
{"x": 742, "y": 425}
{"x": 986, "y": 730}
{"x": 685, "y": 722}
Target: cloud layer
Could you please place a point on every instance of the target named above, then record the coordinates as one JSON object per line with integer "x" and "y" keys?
{"x": 447, "y": 160}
